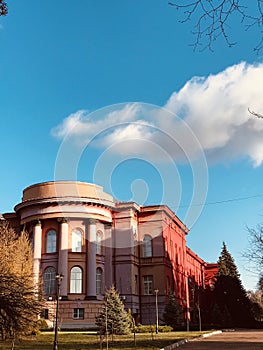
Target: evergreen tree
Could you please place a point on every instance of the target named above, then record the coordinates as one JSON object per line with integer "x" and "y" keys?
{"x": 113, "y": 317}
{"x": 221, "y": 316}
{"x": 226, "y": 264}
{"x": 173, "y": 313}
{"x": 229, "y": 293}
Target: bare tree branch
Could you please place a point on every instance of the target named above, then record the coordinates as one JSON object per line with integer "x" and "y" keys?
{"x": 255, "y": 114}
{"x": 3, "y": 8}
{"x": 213, "y": 18}
{"x": 254, "y": 251}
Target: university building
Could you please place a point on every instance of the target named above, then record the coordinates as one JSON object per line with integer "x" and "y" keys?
{"x": 79, "y": 231}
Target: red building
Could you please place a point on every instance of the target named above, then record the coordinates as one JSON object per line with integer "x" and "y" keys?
{"x": 81, "y": 232}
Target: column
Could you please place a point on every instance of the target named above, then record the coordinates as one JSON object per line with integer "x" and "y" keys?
{"x": 63, "y": 258}
{"x": 91, "y": 270}
{"x": 37, "y": 236}
{"x": 108, "y": 267}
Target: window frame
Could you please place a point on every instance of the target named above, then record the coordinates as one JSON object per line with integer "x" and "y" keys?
{"x": 147, "y": 251}
{"x": 51, "y": 290}
{"x": 99, "y": 281}
{"x": 76, "y": 284}
{"x": 74, "y": 247}
{"x": 51, "y": 244}
{"x": 148, "y": 285}
{"x": 99, "y": 234}
{"x": 78, "y": 313}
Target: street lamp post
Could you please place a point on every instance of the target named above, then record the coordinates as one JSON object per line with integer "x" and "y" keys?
{"x": 156, "y": 310}
{"x": 59, "y": 278}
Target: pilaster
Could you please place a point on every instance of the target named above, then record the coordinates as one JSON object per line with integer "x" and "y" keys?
{"x": 91, "y": 270}
{"x": 63, "y": 257}
{"x": 37, "y": 236}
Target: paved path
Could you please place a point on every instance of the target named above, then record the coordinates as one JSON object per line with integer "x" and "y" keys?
{"x": 239, "y": 340}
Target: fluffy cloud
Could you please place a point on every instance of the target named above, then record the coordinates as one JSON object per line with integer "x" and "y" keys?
{"x": 209, "y": 114}
{"x": 216, "y": 109}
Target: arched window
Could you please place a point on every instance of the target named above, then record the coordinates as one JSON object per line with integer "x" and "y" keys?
{"x": 76, "y": 243}
{"x": 50, "y": 280}
{"x": 98, "y": 280}
{"x": 98, "y": 243}
{"x": 51, "y": 241}
{"x": 76, "y": 280}
{"x": 147, "y": 246}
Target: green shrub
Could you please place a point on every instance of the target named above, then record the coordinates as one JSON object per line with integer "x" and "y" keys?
{"x": 152, "y": 328}
{"x": 165, "y": 329}
{"x": 144, "y": 329}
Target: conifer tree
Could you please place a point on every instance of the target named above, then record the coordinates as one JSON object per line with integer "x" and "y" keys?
{"x": 173, "y": 313}
{"x": 113, "y": 318}
{"x": 229, "y": 293}
{"x": 226, "y": 264}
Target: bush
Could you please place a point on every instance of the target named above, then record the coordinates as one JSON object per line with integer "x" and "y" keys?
{"x": 144, "y": 329}
{"x": 152, "y": 328}
{"x": 165, "y": 329}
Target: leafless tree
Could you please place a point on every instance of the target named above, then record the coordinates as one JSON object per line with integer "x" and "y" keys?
{"x": 3, "y": 8}
{"x": 212, "y": 18}
{"x": 256, "y": 298}
{"x": 254, "y": 251}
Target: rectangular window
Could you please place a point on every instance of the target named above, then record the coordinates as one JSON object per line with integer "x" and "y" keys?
{"x": 44, "y": 314}
{"x": 51, "y": 241}
{"x": 99, "y": 281}
{"x": 76, "y": 241}
{"x": 78, "y": 314}
{"x": 147, "y": 285}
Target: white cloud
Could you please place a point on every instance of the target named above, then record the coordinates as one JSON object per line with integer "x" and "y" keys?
{"x": 217, "y": 111}
{"x": 71, "y": 124}
{"x": 86, "y": 125}
{"x": 213, "y": 108}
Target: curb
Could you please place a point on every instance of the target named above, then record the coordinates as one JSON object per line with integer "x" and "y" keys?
{"x": 209, "y": 334}
{"x": 183, "y": 341}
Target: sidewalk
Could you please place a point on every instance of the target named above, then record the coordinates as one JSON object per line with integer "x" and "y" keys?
{"x": 239, "y": 340}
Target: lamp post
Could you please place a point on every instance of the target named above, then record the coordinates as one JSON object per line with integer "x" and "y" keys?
{"x": 59, "y": 278}
{"x": 156, "y": 309}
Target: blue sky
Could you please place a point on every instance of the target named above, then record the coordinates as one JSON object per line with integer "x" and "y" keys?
{"x": 112, "y": 92}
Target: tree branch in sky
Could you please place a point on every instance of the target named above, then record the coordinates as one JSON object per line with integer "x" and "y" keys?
{"x": 255, "y": 114}
{"x": 3, "y": 8}
{"x": 213, "y": 18}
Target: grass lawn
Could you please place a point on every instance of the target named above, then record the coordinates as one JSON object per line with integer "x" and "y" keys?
{"x": 86, "y": 340}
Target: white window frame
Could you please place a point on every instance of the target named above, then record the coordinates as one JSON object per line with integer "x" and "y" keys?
{"x": 76, "y": 241}
{"x": 50, "y": 280}
{"x": 76, "y": 280}
{"x": 148, "y": 285}
{"x": 147, "y": 246}
{"x": 78, "y": 313}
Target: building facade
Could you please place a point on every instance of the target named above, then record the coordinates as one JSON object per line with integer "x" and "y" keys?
{"x": 79, "y": 231}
